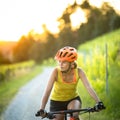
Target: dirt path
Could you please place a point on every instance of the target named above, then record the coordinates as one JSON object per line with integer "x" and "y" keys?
{"x": 27, "y": 101}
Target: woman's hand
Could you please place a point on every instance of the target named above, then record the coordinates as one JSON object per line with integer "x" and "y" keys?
{"x": 99, "y": 106}
{"x": 41, "y": 113}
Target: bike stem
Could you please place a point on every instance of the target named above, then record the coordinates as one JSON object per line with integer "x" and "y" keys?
{"x": 71, "y": 115}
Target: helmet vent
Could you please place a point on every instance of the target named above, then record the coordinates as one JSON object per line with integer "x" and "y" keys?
{"x": 65, "y": 54}
{"x": 73, "y": 57}
{"x": 72, "y": 49}
{"x": 70, "y": 55}
{"x": 61, "y": 54}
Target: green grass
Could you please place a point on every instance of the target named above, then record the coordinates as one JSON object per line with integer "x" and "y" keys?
{"x": 99, "y": 42}
{"x": 92, "y": 59}
{"x": 8, "y": 89}
{"x": 16, "y": 66}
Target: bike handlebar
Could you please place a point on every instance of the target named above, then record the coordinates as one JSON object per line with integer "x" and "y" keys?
{"x": 51, "y": 115}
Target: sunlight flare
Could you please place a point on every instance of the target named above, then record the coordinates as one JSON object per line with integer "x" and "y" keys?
{"x": 18, "y": 17}
{"x": 77, "y": 18}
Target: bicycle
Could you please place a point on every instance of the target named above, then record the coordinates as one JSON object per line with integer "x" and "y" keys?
{"x": 51, "y": 115}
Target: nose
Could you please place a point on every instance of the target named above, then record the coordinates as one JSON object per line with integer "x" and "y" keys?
{"x": 60, "y": 63}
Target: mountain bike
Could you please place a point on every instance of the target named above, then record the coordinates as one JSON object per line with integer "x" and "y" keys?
{"x": 68, "y": 113}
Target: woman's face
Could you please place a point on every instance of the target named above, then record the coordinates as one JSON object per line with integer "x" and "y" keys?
{"x": 64, "y": 65}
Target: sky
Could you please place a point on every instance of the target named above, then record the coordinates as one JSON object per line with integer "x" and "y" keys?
{"x": 18, "y": 17}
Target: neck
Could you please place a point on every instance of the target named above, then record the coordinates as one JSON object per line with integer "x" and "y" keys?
{"x": 67, "y": 71}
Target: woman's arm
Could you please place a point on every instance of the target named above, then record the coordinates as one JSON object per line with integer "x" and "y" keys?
{"x": 87, "y": 85}
{"x": 48, "y": 89}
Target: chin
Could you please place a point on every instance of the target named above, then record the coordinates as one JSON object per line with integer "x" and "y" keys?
{"x": 61, "y": 69}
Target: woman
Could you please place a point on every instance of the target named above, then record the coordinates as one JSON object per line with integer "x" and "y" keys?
{"x": 62, "y": 85}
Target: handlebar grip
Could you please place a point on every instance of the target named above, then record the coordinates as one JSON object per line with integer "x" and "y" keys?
{"x": 37, "y": 114}
{"x": 50, "y": 116}
{"x": 47, "y": 115}
{"x": 41, "y": 113}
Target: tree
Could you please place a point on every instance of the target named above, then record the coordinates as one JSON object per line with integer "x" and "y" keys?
{"x": 64, "y": 20}
{"x": 1, "y": 57}
{"x": 42, "y": 46}
{"x": 21, "y": 51}
{"x": 112, "y": 18}
{"x": 37, "y": 52}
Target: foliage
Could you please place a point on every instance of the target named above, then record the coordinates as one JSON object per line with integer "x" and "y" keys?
{"x": 39, "y": 47}
{"x": 92, "y": 58}
{"x": 35, "y": 47}
{"x": 7, "y": 91}
{"x": 21, "y": 51}
{"x": 3, "y": 60}
{"x": 12, "y": 70}
{"x": 49, "y": 62}
{"x": 1, "y": 57}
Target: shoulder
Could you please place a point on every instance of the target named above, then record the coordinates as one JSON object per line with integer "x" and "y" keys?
{"x": 79, "y": 69}
{"x": 55, "y": 73}
{"x": 56, "y": 69}
{"x": 81, "y": 72}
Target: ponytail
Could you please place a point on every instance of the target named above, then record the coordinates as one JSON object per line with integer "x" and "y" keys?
{"x": 74, "y": 65}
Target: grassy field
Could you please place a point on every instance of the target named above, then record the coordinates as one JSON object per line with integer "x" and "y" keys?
{"x": 8, "y": 89}
{"x": 92, "y": 58}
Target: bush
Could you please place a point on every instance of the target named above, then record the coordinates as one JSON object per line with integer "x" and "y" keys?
{"x": 1, "y": 77}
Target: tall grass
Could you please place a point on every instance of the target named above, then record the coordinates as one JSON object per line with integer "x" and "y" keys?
{"x": 8, "y": 89}
{"x": 92, "y": 58}
{"x": 8, "y": 71}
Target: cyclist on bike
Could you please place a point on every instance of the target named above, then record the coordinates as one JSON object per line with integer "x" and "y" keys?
{"x": 62, "y": 85}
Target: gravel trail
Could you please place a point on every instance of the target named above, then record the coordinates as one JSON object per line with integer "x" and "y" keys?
{"x": 27, "y": 101}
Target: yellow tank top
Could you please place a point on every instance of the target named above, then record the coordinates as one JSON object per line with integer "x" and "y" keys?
{"x": 63, "y": 91}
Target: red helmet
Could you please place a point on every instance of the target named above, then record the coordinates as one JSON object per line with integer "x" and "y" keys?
{"x": 66, "y": 54}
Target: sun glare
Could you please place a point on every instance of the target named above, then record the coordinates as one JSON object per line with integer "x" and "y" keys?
{"x": 77, "y": 18}
{"x": 18, "y": 17}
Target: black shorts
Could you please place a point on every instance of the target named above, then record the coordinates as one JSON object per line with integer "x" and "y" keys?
{"x": 61, "y": 105}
